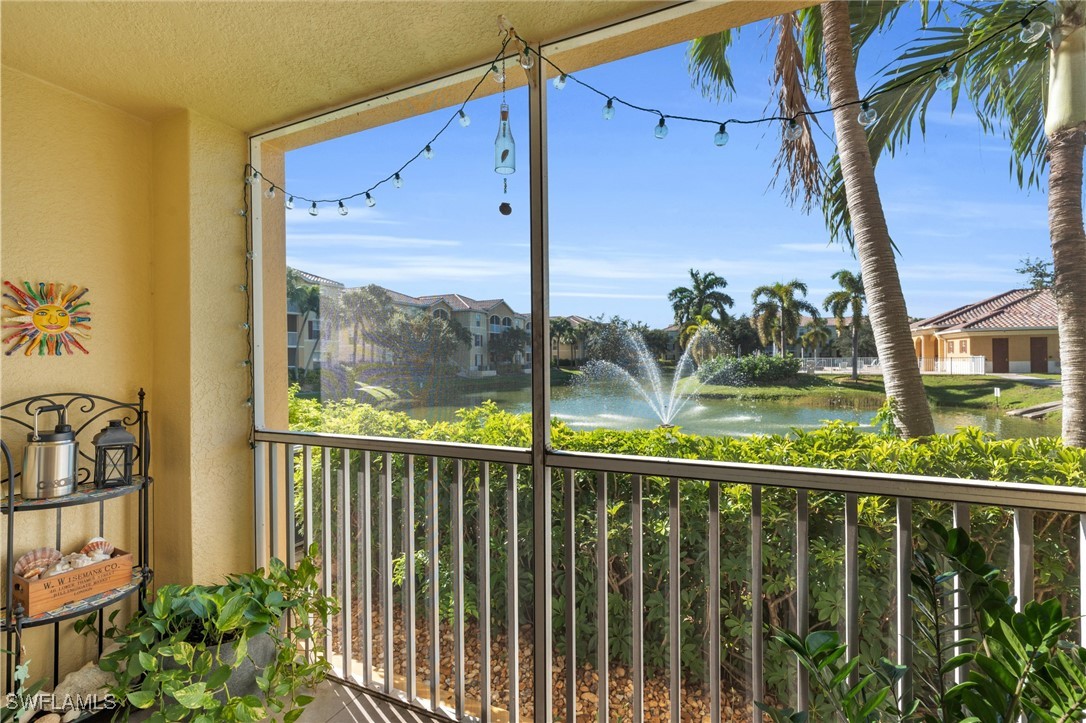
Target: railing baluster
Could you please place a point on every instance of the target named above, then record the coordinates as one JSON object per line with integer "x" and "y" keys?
{"x": 757, "y": 635}
{"x": 409, "y": 578}
{"x": 456, "y": 503}
{"x": 714, "y": 602}
{"x": 344, "y": 544}
{"x": 803, "y": 589}
{"x": 307, "y": 497}
{"x": 365, "y": 536}
{"x": 1023, "y": 557}
{"x": 288, "y": 492}
{"x": 675, "y": 606}
{"x": 602, "y": 567}
{"x": 435, "y": 593}
{"x": 273, "y": 499}
{"x": 386, "y": 573}
{"x": 260, "y": 520}
{"x": 904, "y": 557}
{"x": 638, "y": 604}
{"x": 852, "y": 582}
{"x": 512, "y": 584}
{"x": 571, "y": 594}
{"x": 483, "y": 591}
{"x": 1082, "y": 579}
{"x": 326, "y": 536}
{"x": 960, "y": 600}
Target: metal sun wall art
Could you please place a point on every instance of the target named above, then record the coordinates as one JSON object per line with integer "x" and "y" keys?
{"x": 48, "y": 318}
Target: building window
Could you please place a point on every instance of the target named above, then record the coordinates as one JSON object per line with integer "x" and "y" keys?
{"x": 478, "y": 320}
{"x": 441, "y": 314}
{"x": 478, "y": 361}
{"x": 314, "y": 330}
{"x": 963, "y": 346}
{"x": 507, "y": 321}
{"x": 495, "y": 320}
{"x": 292, "y": 357}
{"x": 292, "y": 322}
{"x": 478, "y": 340}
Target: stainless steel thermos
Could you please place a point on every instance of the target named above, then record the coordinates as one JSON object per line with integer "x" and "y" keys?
{"x": 49, "y": 460}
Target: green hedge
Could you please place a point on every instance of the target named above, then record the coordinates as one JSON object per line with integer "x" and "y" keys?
{"x": 966, "y": 454}
{"x": 744, "y": 371}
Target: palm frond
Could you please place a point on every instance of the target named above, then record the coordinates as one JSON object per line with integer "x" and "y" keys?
{"x": 707, "y": 62}
{"x": 797, "y": 161}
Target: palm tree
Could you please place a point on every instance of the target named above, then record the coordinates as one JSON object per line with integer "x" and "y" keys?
{"x": 306, "y": 299}
{"x": 816, "y": 336}
{"x": 704, "y": 332}
{"x": 850, "y": 297}
{"x": 560, "y": 333}
{"x": 703, "y": 297}
{"x": 369, "y": 310}
{"x": 777, "y": 312}
{"x": 1035, "y": 95}
{"x": 801, "y": 39}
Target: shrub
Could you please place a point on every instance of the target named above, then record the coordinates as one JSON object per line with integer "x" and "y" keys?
{"x": 746, "y": 371}
{"x": 966, "y": 454}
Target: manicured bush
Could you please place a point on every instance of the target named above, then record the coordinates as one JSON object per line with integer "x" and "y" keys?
{"x": 745, "y": 371}
{"x": 967, "y": 454}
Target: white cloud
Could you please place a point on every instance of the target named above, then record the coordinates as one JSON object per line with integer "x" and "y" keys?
{"x": 602, "y": 295}
{"x": 814, "y": 248}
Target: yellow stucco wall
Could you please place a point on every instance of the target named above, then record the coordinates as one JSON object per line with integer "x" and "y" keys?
{"x": 75, "y": 208}
{"x": 145, "y": 216}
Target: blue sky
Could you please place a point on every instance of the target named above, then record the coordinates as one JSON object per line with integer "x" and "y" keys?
{"x": 630, "y": 214}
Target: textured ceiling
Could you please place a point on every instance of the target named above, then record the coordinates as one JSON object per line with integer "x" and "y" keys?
{"x": 253, "y": 65}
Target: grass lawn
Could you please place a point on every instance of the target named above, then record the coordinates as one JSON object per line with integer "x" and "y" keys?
{"x": 970, "y": 392}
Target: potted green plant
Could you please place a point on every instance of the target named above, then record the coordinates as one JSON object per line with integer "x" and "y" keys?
{"x": 232, "y": 652}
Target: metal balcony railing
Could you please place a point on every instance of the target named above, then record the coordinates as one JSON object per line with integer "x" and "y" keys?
{"x": 413, "y": 533}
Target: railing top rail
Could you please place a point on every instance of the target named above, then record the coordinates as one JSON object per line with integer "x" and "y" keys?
{"x": 940, "y": 489}
{"x": 421, "y": 448}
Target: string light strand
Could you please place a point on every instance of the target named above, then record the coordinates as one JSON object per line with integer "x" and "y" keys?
{"x": 254, "y": 176}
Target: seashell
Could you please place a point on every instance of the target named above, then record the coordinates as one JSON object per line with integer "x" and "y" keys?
{"x": 78, "y": 559}
{"x": 36, "y": 561}
{"x": 59, "y": 568}
{"x": 98, "y": 547}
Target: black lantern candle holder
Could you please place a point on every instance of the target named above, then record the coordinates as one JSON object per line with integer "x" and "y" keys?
{"x": 114, "y": 449}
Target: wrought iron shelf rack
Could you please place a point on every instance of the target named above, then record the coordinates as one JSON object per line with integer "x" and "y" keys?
{"x": 88, "y": 412}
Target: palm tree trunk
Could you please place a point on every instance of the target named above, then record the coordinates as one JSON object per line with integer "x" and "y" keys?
{"x": 1065, "y": 126}
{"x": 885, "y": 300}
{"x": 1065, "y": 154}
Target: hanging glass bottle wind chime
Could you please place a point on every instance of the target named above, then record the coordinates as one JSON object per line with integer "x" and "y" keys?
{"x": 505, "y": 151}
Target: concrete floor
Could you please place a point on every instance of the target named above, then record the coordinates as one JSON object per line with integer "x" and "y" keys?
{"x": 339, "y": 704}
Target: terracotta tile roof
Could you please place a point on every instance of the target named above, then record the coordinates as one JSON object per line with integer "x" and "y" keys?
{"x": 1014, "y": 309}
{"x": 462, "y": 303}
{"x": 314, "y": 279}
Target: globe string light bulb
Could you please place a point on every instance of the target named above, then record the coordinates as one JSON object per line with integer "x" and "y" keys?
{"x": 560, "y": 82}
{"x": 721, "y": 137}
{"x": 427, "y": 152}
{"x": 249, "y": 255}
{"x": 609, "y": 109}
{"x": 867, "y": 115}
{"x": 497, "y": 74}
{"x": 254, "y": 177}
{"x": 465, "y": 119}
{"x": 249, "y": 402}
{"x": 244, "y": 326}
{"x": 526, "y": 60}
{"x": 397, "y": 181}
{"x": 342, "y": 209}
{"x": 370, "y": 200}
{"x": 313, "y": 209}
{"x": 243, "y": 288}
{"x": 290, "y": 203}
{"x": 270, "y": 193}
{"x": 661, "y": 129}
{"x": 947, "y": 78}
{"x": 1032, "y": 32}
{"x": 793, "y": 131}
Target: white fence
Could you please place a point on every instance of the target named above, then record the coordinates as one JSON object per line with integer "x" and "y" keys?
{"x": 840, "y": 365}
{"x": 954, "y": 365}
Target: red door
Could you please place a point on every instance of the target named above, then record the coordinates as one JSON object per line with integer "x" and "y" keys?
{"x": 1038, "y": 354}
{"x": 1001, "y": 356}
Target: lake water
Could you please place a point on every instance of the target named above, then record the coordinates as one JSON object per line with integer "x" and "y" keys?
{"x": 588, "y": 408}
